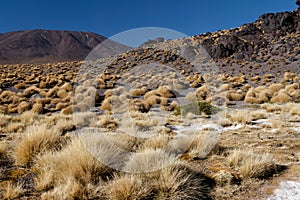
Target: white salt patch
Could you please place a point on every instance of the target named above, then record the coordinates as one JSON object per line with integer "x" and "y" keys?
{"x": 288, "y": 190}
{"x": 199, "y": 127}
{"x": 234, "y": 127}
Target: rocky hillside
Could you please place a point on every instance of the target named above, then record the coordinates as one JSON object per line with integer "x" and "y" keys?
{"x": 48, "y": 46}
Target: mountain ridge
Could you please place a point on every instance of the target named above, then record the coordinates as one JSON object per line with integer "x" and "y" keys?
{"x": 48, "y": 46}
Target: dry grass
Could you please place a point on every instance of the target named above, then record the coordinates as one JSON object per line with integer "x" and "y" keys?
{"x": 3, "y": 148}
{"x": 252, "y": 165}
{"x": 15, "y": 127}
{"x": 156, "y": 142}
{"x": 106, "y": 121}
{"x": 36, "y": 140}
{"x": 148, "y": 160}
{"x": 224, "y": 122}
{"x": 178, "y": 181}
{"x": 70, "y": 189}
{"x": 86, "y": 159}
{"x": 12, "y": 191}
{"x": 84, "y": 118}
{"x": 175, "y": 181}
{"x": 128, "y": 186}
{"x": 271, "y": 107}
{"x": 293, "y": 108}
{"x": 29, "y": 118}
{"x": 258, "y": 114}
{"x": 125, "y": 141}
{"x": 202, "y": 145}
{"x": 240, "y": 116}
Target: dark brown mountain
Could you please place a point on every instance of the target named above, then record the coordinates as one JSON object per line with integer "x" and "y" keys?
{"x": 48, "y": 46}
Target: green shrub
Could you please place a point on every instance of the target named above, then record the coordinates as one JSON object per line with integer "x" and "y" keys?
{"x": 196, "y": 108}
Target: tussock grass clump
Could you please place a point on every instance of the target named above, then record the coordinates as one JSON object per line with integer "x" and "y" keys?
{"x": 38, "y": 108}
{"x": 252, "y": 165}
{"x": 166, "y": 92}
{"x": 291, "y": 108}
{"x": 157, "y": 142}
{"x": 87, "y": 159}
{"x": 271, "y": 107}
{"x": 64, "y": 125}
{"x": 178, "y": 181}
{"x": 235, "y": 96}
{"x": 258, "y": 114}
{"x": 23, "y": 106}
{"x": 72, "y": 189}
{"x": 3, "y": 148}
{"x": 15, "y": 127}
{"x": 240, "y": 116}
{"x": 84, "y": 118}
{"x": 148, "y": 160}
{"x": 28, "y": 118}
{"x": 12, "y": 191}
{"x": 128, "y": 186}
{"x": 106, "y": 121}
{"x": 202, "y": 144}
{"x": 68, "y": 110}
{"x": 175, "y": 181}
{"x": 37, "y": 139}
{"x": 281, "y": 97}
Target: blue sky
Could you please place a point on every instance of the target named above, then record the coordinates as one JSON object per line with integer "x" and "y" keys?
{"x": 108, "y": 18}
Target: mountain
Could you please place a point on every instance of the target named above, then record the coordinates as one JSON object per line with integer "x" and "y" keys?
{"x": 48, "y": 46}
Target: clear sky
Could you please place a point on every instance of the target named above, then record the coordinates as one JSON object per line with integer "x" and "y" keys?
{"x": 108, "y": 18}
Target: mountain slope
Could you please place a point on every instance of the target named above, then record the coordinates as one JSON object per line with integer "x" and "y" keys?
{"x": 46, "y": 46}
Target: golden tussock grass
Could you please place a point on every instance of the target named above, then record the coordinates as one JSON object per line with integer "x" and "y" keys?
{"x": 125, "y": 141}
{"x": 37, "y": 139}
{"x": 240, "y": 116}
{"x": 276, "y": 122}
{"x": 156, "y": 142}
{"x": 223, "y": 121}
{"x": 106, "y": 121}
{"x": 128, "y": 186}
{"x": 201, "y": 145}
{"x": 235, "y": 96}
{"x": 271, "y": 107}
{"x": 294, "y": 108}
{"x": 4, "y": 146}
{"x": 166, "y": 92}
{"x": 84, "y": 118}
{"x": 61, "y": 105}
{"x": 258, "y": 114}
{"x": 148, "y": 160}
{"x": 37, "y": 108}
{"x": 28, "y": 118}
{"x": 52, "y": 92}
{"x": 62, "y": 93}
{"x": 67, "y": 86}
{"x": 30, "y": 91}
{"x": 86, "y": 159}
{"x": 23, "y": 106}
{"x": 290, "y": 107}
{"x": 12, "y": 191}
{"x": 178, "y": 181}
{"x": 252, "y": 165}
{"x": 68, "y": 110}
{"x": 72, "y": 189}
{"x": 15, "y": 127}
{"x": 275, "y": 87}
{"x": 139, "y": 92}
{"x": 6, "y": 94}
{"x": 4, "y": 119}
{"x": 281, "y": 97}
{"x": 64, "y": 125}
